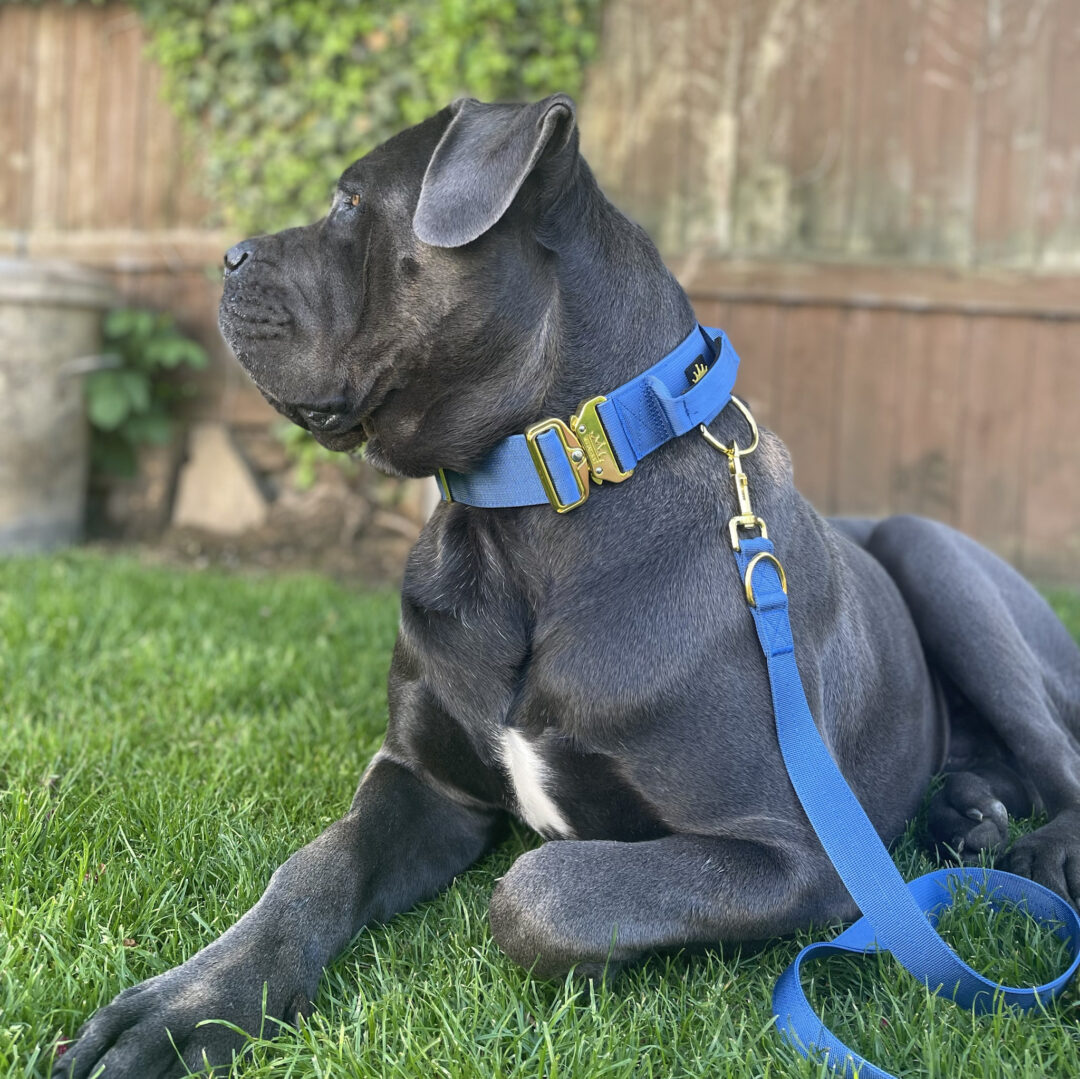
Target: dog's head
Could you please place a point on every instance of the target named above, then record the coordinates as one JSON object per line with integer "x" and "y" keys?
{"x": 406, "y": 318}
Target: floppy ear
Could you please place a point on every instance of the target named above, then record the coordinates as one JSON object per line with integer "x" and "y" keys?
{"x": 480, "y": 163}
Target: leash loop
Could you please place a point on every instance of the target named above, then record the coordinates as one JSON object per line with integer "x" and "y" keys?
{"x": 748, "y": 576}
{"x": 898, "y": 916}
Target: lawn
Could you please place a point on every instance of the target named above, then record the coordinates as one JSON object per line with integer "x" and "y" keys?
{"x": 169, "y": 737}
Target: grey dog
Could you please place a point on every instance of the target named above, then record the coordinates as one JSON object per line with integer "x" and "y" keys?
{"x": 595, "y": 674}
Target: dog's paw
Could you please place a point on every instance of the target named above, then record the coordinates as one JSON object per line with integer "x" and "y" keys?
{"x": 1050, "y": 856}
{"x": 966, "y": 819}
{"x": 160, "y": 1027}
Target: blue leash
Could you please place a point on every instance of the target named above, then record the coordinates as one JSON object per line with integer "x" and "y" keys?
{"x": 897, "y": 917}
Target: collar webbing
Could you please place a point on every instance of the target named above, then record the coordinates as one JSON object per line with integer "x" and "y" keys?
{"x": 554, "y": 461}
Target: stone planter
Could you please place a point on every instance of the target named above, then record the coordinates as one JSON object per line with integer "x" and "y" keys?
{"x": 50, "y": 333}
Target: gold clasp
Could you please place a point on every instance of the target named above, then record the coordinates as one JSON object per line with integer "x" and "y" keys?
{"x": 734, "y": 450}
{"x": 590, "y": 432}
{"x": 745, "y": 518}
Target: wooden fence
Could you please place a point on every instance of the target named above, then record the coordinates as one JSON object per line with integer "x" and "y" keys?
{"x": 880, "y": 199}
{"x": 901, "y": 392}
{"x": 922, "y": 130}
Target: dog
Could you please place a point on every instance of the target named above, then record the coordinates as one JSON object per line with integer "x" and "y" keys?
{"x": 594, "y": 674}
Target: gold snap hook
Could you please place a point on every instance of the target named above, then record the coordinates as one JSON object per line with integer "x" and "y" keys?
{"x": 734, "y": 450}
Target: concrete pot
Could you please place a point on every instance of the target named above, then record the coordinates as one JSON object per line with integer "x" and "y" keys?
{"x": 50, "y": 334}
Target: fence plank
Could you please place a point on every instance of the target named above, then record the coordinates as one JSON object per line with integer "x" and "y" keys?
{"x": 809, "y": 354}
{"x": 879, "y": 204}
{"x": 826, "y": 107}
{"x": 1058, "y": 207}
{"x": 1050, "y": 521}
{"x": 872, "y": 366}
{"x": 762, "y": 193}
{"x": 712, "y": 120}
{"x": 86, "y": 152}
{"x": 1012, "y": 132}
{"x": 995, "y": 431}
{"x": 944, "y": 135}
{"x": 49, "y": 156}
{"x": 931, "y": 413}
{"x": 18, "y": 61}
{"x": 123, "y": 43}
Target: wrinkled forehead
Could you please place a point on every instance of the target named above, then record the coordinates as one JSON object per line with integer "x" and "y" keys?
{"x": 397, "y": 165}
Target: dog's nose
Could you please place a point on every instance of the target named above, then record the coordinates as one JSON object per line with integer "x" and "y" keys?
{"x": 237, "y": 255}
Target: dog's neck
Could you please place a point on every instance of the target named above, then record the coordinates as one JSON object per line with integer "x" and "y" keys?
{"x": 616, "y": 309}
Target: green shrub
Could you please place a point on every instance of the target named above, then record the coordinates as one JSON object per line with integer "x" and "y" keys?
{"x": 130, "y": 402}
{"x": 285, "y": 93}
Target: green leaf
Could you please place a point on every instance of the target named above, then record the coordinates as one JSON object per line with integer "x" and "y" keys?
{"x": 107, "y": 402}
{"x": 154, "y": 428}
{"x": 136, "y": 384}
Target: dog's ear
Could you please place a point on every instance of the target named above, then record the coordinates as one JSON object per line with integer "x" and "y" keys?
{"x": 481, "y": 161}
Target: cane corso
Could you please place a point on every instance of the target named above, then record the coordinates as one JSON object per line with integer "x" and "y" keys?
{"x": 595, "y": 673}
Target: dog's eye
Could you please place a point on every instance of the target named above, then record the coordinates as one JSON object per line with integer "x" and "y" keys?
{"x": 347, "y": 202}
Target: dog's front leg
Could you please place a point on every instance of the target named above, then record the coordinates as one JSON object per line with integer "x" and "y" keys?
{"x": 400, "y": 843}
{"x": 597, "y": 904}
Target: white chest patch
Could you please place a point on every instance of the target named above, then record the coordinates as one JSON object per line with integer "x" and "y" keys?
{"x": 528, "y": 774}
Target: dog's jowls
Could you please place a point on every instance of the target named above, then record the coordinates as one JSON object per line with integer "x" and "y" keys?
{"x": 595, "y": 674}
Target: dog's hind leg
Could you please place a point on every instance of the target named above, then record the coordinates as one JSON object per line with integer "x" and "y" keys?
{"x": 598, "y": 904}
{"x": 994, "y": 640}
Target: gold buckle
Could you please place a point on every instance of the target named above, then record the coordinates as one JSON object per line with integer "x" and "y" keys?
{"x": 748, "y": 576}
{"x": 590, "y": 433}
{"x": 574, "y": 454}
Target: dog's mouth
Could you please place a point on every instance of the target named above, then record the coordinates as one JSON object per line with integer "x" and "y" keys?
{"x": 336, "y": 430}
{"x": 340, "y": 423}
{"x": 260, "y": 332}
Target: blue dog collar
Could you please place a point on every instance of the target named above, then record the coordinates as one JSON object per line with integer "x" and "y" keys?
{"x": 603, "y": 441}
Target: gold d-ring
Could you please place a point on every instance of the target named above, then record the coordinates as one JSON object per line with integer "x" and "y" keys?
{"x": 733, "y": 450}
{"x": 748, "y": 576}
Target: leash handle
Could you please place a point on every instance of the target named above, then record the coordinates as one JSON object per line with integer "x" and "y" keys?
{"x": 897, "y": 917}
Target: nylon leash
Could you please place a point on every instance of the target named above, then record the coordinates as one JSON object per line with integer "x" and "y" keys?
{"x": 898, "y": 917}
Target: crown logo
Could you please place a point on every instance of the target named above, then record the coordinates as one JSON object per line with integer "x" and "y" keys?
{"x": 699, "y": 372}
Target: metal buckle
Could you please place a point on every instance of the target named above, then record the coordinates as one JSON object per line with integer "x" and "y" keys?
{"x": 589, "y": 430}
{"x": 574, "y": 454}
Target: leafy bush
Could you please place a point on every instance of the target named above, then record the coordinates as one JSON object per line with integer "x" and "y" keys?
{"x": 285, "y": 93}
{"x": 130, "y": 402}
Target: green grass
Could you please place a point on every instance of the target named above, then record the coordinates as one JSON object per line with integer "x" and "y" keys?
{"x": 168, "y": 738}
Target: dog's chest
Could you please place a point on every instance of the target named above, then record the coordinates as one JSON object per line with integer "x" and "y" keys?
{"x": 531, "y": 780}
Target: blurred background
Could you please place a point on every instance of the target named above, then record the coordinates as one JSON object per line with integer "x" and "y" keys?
{"x": 878, "y": 199}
